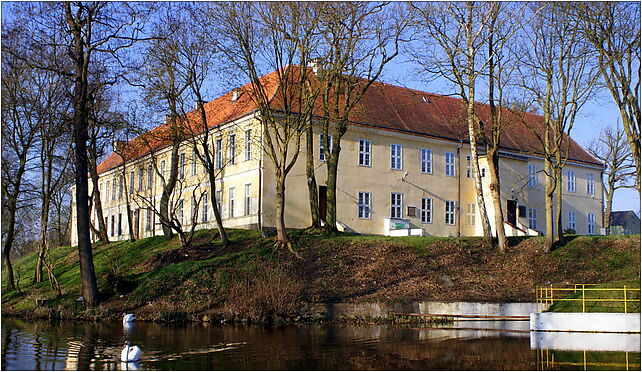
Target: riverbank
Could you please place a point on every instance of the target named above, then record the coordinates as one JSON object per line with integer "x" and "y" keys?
{"x": 252, "y": 281}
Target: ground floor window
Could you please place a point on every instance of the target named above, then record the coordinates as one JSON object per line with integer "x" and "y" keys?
{"x": 364, "y": 205}
{"x": 470, "y": 213}
{"x": 231, "y": 202}
{"x": 396, "y": 203}
{"x": 571, "y": 220}
{"x": 426, "y": 210}
{"x": 450, "y": 212}
{"x": 532, "y": 218}
{"x": 591, "y": 223}
{"x": 248, "y": 199}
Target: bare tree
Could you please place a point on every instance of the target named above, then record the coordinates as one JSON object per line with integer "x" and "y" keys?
{"x": 612, "y": 149}
{"x": 613, "y": 30}
{"x": 359, "y": 40}
{"x": 557, "y": 73}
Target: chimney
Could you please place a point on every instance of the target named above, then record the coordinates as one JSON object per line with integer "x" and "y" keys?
{"x": 198, "y": 104}
{"x": 168, "y": 118}
{"x": 316, "y": 64}
{"x": 236, "y": 93}
{"x": 118, "y": 146}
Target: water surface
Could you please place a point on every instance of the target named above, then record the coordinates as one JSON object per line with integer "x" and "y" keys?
{"x": 43, "y": 345}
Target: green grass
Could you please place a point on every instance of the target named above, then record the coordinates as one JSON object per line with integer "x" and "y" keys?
{"x": 573, "y": 302}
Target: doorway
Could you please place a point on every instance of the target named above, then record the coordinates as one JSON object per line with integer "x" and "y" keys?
{"x": 323, "y": 201}
{"x": 511, "y": 212}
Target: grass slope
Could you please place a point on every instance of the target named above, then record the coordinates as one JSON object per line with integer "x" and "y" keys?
{"x": 160, "y": 281}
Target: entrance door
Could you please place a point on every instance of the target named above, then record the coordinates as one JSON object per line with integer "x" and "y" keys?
{"x": 136, "y": 224}
{"x": 511, "y": 212}
{"x": 323, "y": 201}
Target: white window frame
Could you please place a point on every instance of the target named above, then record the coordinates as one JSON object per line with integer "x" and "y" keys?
{"x": 180, "y": 212}
{"x": 571, "y": 221}
{"x": 248, "y": 145}
{"x": 148, "y": 220}
{"x": 364, "y": 202}
{"x": 396, "y": 205}
{"x": 532, "y": 218}
{"x": 470, "y": 214}
{"x": 426, "y": 161}
{"x": 322, "y": 146}
{"x": 141, "y": 178}
{"x": 396, "y": 156}
{"x": 231, "y": 148}
{"x": 247, "y": 200}
{"x": 162, "y": 168}
{"x": 591, "y": 223}
{"x": 181, "y": 166}
{"x": 532, "y": 176}
{"x": 230, "y": 202}
{"x": 194, "y": 171}
{"x": 219, "y": 199}
{"x": 449, "y": 161}
{"x": 590, "y": 184}
{"x": 107, "y": 191}
{"x": 150, "y": 177}
{"x": 205, "y": 216}
{"x": 365, "y": 154}
{"x": 469, "y": 168}
{"x": 130, "y": 189}
{"x": 219, "y": 153}
{"x": 570, "y": 181}
{"x": 451, "y": 208}
{"x": 426, "y": 210}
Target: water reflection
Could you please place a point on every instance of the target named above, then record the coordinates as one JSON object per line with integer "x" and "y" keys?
{"x": 464, "y": 346}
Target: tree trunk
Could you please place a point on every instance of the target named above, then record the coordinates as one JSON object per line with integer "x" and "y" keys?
{"x": 607, "y": 211}
{"x": 98, "y": 204}
{"x": 331, "y": 183}
{"x": 217, "y": 213}
{"x": 559, "y": 228}
{"x": 281, "y": 233}
{"x": 493, "y": 171}
{"x": 6, "y": 248}
{"x": 548, "y": 202}
{"x": 313, "y": 196}
{"x": 165, "y": 218}
{"x": 633, "y": 139}
{"x": 44, "y": 246}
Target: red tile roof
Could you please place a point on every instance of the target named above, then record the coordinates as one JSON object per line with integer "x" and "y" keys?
{"x": 384, "y": 106}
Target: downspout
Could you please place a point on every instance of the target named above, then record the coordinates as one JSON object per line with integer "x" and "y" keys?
{"x": 602, "y": 203}
{"x": 259, "y": 212}
{"x": 461, "y": 144}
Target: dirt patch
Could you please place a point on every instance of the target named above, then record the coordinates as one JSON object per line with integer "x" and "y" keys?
{"x": 198, "y": 253}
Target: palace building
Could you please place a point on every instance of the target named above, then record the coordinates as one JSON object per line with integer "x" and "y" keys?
{"x": 404, "y": 169}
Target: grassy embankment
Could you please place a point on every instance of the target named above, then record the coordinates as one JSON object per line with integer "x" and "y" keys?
{"x": 252, "y": 280}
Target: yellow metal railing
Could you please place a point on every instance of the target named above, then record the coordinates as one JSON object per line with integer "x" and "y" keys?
{"x": 546, "y": 296}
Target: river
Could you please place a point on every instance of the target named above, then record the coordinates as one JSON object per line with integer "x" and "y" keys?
{"x": 44, "y": 345}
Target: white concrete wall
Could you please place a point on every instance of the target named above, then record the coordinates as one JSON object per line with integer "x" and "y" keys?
{"x": 585, "y": 341}
{"x": 586, "y": 322}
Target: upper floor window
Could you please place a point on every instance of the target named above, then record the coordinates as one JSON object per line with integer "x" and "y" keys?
{"x": 570, "y": 181}
{"x": 590, "y": 184}
{"x": 120, "y": 187}
{"x": 162, "y": 169}
{"x": 140, "y": 178}
{"x": 426, "y": 161}
{"x": 364, "y": 153}
{"x": 396, "y": 204}
{"x": 322, "y": 144}
{"x": 450, "y": 163}
{"x": 131, "y": 182}
{"x": 364, "y": 205}
{"x": 248, "y": 144}
{"x": 181, "y": 167}
{"x": 150, "y": 177}
{"x": 231, "y": 144}
{"x": 219, "y": 153}
{"x": 532, "y": 176}
{"x": 469, "y": 170}
{"x": 107, "y": 191}
{"x": 194, "y": 164}
{"x": 396, "y": 156}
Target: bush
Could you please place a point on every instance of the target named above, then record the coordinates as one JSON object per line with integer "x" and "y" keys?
{"x": 569, "y": 232}
{"x": 264, "y": 293}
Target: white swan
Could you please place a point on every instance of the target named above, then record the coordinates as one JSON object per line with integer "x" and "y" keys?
{"x": 128, "y": 318}
{"x": 129, "y": 353}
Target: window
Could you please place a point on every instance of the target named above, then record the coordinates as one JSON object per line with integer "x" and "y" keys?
{"x": 468, "y": 167}
{"x": 396, "y": 203}
{"x": 450, "y": 164}
{"x": 591, "y": 223}
{"x": 120, "y": 224}
{"x": 571, "y": 220}
{"x": 162, "y": 170}
{"x": 570, "y": 178}
{"x": 364, "y": 153}
{"x": 590, "y": 184}
{"x": 231, "y": 146}
{"x": 131, "y": 182}
{"x": 205, "y": 215}
{"x": 219, "y": 197}
{"x": 532, "y": 176}
{"x": 248, "y": 145}
{"x": 150, "y": 177}
{"x": 181, "y": 167}
{"x": 470, "y": 213}
{"x": 113, "y": 224}
{"x": 450, "y": 212}
{"x": 247, "y": 200}
{"x": 363, "y": 210}
{"x": 231, "y": 202}
{"x": 148, "y": 220}
{"x": 426, "y": 210}
{"x": 426, "y": 161}
{"x": 107, "y": 192}
{"x": 483, "y": 172}
{"x": 219, "y": 153}
{"x": 120, "y": 187}
{"x": 322, "y": 144}
{"x": 193, "y": 210}
{"x": 532, "y": 218}
{"x": 396, "y": 156}
{"x": 194, "y": 164}
{"x": 179, "y": 211}
{"x": 140, "y": 179}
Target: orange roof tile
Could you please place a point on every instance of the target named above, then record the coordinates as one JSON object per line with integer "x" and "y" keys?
{"x": 384, "y": 106}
